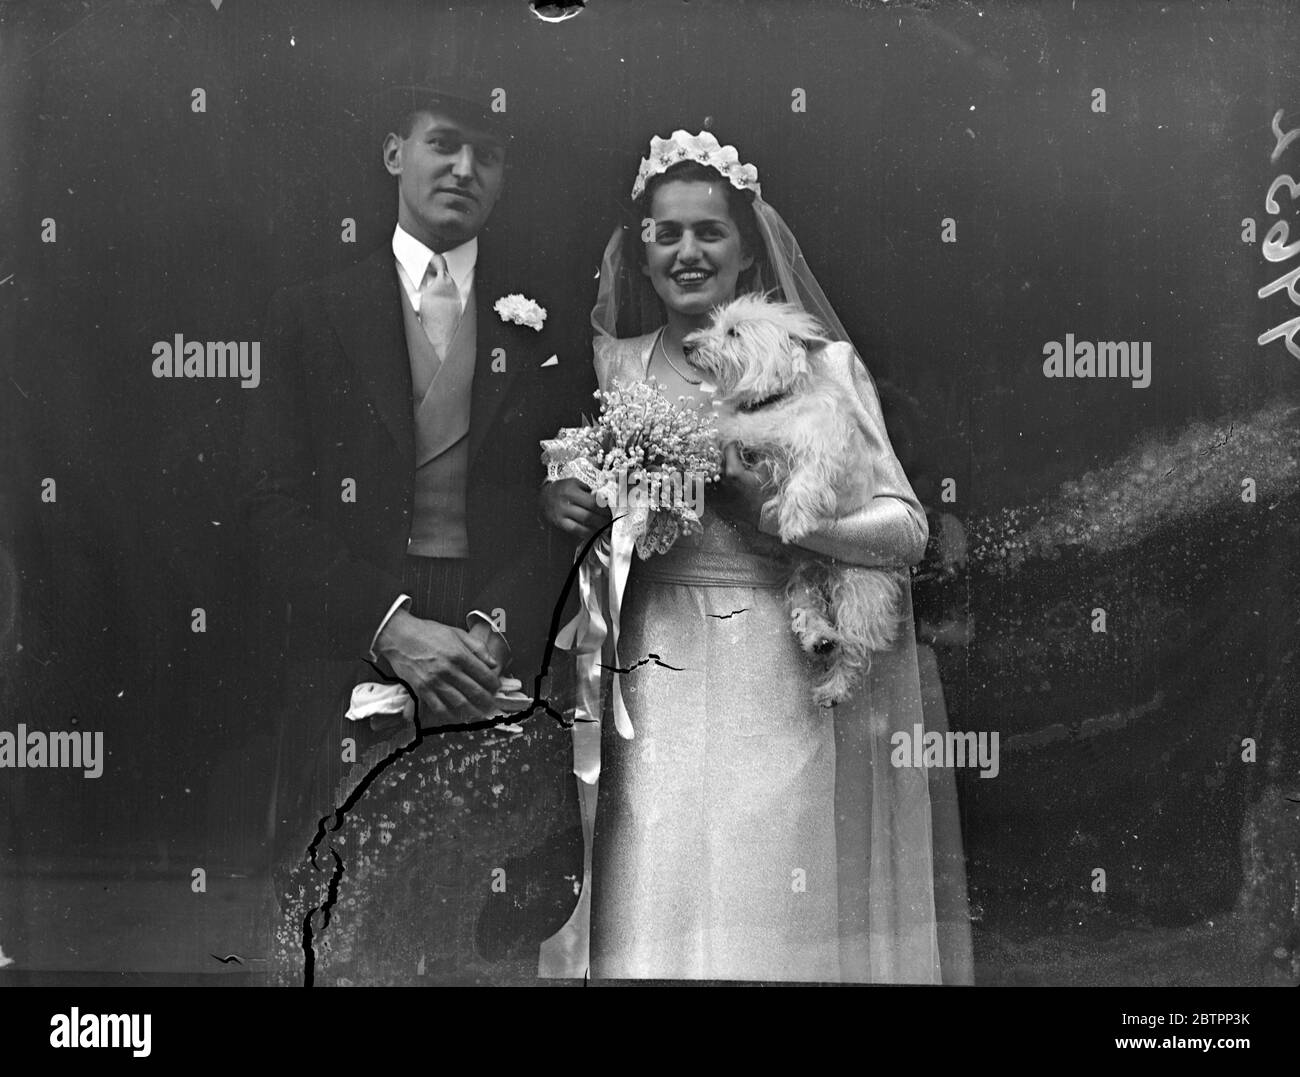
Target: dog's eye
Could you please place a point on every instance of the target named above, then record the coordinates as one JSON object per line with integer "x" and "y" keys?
{"x": 731, "y": 332}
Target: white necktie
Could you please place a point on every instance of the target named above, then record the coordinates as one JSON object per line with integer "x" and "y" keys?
{"x": 439, "y": 305}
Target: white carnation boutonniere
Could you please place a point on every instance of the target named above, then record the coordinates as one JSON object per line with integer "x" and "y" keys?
{"x": 521, "y": 310}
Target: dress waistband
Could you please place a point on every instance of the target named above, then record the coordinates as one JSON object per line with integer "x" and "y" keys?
{"x": 713, "y": 568}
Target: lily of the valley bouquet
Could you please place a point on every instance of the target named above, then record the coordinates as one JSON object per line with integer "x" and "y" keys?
{"x": 647, "y": 459}
{"x": 644, "y": 456}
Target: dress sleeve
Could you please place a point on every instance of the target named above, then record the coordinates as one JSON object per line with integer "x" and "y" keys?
{"x": 890, "y": 530}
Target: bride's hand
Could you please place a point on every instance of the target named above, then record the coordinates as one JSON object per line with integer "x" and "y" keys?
{"x": 569, "y": 505}
{"x": 751, "y": 487}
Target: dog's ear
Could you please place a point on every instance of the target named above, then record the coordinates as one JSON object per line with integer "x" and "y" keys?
{"x": 799, "y": 323}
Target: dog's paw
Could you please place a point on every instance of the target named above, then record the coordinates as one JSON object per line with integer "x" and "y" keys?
{"x": 793, "y": 521}
{"x": 834, "y": 688}
{"x": 815, "y": 634}
{"x": 825, "y": 697}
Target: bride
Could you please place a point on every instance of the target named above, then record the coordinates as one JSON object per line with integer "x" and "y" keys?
{"x": 745, "y": 833}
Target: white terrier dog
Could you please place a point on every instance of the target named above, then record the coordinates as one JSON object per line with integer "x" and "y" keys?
{"x": 773, "y": 401}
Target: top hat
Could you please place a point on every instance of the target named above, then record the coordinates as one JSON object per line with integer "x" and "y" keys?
{"x": 470, "y": 103}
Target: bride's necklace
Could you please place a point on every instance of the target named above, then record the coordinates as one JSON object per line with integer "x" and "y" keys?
{"x": 669, "y": 359}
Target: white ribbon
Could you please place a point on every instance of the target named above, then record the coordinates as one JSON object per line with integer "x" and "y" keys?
{"x": 584, "y": 636}
{"x": 567, "y": 953}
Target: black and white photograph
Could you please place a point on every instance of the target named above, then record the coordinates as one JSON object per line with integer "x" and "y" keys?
{"x": 693, "y": 492}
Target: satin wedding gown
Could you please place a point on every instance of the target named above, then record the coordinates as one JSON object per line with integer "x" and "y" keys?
{"x": 745, "y": 833}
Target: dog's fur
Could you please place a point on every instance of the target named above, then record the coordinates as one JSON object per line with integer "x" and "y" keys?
{"x": 773, "y": 402}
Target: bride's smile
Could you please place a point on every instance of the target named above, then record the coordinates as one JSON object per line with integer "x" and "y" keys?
{"x": 691, "y": 277}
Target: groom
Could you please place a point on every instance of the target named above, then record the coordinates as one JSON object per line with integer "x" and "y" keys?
{"x": 391, "y": 463}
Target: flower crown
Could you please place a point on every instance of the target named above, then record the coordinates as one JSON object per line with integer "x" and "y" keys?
{"x": 704, "y": 148}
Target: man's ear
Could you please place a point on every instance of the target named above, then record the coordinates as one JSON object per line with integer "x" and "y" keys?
{"x": 392, "y": 153}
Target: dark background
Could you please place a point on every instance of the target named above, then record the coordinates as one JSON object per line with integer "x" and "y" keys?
{"x": 1124, "y": 225}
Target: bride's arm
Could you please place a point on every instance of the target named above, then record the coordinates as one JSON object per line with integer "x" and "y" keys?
{"x": 881, "y": 534}
{"x": 890, "y": 530}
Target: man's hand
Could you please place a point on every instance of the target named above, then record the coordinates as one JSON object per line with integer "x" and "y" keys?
{"x": 569, "y": 505}
{"x": 452, "y": 673}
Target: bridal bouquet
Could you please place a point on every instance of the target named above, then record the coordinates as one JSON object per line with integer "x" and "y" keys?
{"x": 647, "y": 459}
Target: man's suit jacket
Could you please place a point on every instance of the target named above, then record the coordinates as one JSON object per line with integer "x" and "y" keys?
{"x": 335, "y": 403}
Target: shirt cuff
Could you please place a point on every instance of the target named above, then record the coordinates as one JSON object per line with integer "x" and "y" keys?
{"x": 403, "y": 602}
{"x": 475, "y": 616}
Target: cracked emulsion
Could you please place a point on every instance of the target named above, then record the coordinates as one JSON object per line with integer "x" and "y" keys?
{"x": 650, "y": 657}
{"x": 541, "y": 701}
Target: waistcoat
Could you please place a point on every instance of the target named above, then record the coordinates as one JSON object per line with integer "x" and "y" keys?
{"x": 442, "y": 404}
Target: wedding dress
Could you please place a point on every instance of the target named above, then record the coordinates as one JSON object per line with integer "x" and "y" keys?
{"x": 746, "y": 833}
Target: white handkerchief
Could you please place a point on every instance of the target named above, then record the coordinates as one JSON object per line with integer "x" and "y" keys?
{"x": 371, "y": 698}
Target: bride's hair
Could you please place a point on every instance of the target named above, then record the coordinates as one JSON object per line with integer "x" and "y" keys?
{"x": 740, "y": 204}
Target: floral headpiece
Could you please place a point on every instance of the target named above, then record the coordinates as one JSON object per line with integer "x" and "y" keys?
{"x": 704, "y": 148}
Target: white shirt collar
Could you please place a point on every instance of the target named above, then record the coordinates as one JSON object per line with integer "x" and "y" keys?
{"x": 413, "y": 260}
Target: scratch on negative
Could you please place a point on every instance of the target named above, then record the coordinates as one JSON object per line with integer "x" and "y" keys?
{"x": 334, "y": 820}
{"x": 650, "y": 657}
